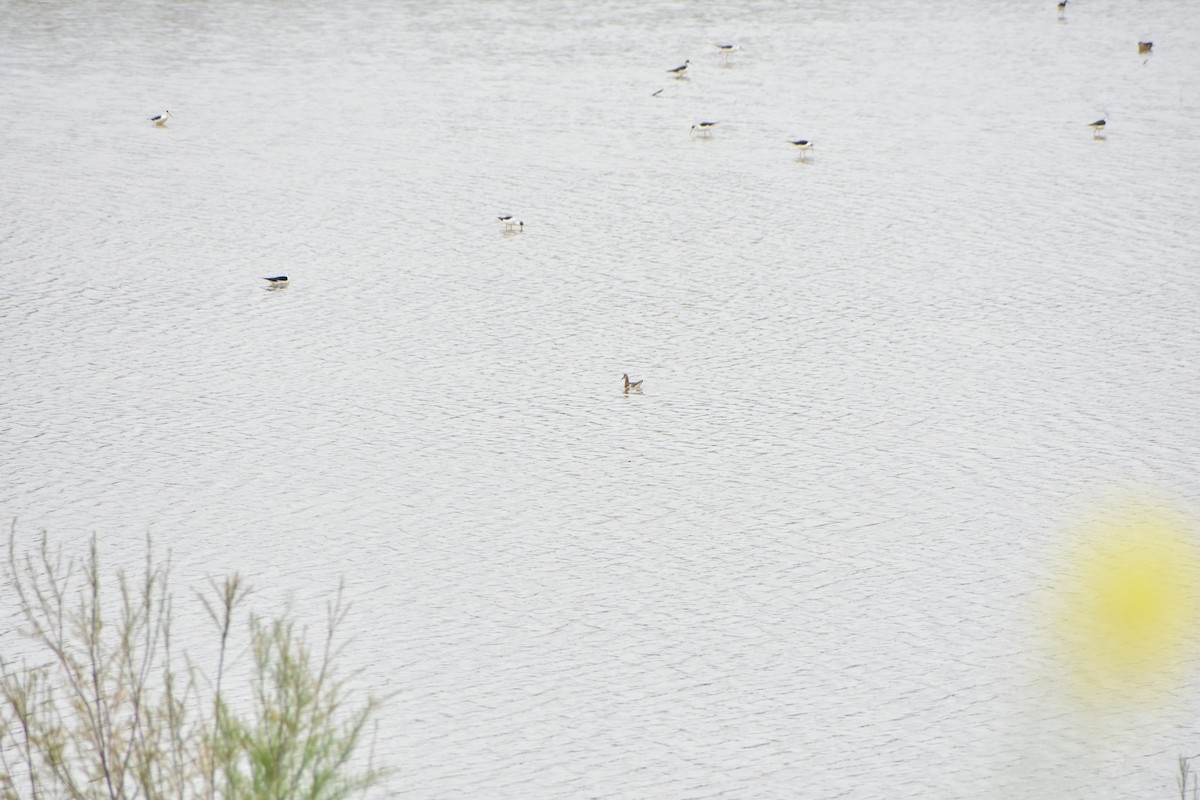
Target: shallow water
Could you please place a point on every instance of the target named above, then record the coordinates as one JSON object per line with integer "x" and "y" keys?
{"x": 879, "y": 382}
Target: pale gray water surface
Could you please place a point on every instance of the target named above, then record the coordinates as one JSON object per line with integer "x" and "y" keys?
{"x": 878, "y": 384}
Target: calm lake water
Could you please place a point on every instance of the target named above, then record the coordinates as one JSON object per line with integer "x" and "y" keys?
{"x": 880, "y": 382}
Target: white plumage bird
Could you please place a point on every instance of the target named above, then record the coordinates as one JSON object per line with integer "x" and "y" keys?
{"x": 804, "y": 146}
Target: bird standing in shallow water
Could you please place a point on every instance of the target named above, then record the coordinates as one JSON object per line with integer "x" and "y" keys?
{"x": 508, "y": 221}
{"x": 803, "y": 145}
{"x": 703, "y": 129}
{"x": 1098, "y": 126}
{"x": 1062, "y": 8}
{"x": 679, "y": 71}
{"x": 161, "y": 119}
{"x": 631, "y": 386}
{"x": 277, "y": 282}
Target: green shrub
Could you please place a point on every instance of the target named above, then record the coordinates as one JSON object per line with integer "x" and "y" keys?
{"x": 109, "y": 714}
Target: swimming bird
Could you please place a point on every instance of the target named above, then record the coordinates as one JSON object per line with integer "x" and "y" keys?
{"x": 682, "y": 68}
{"x": 1099, "y": 125}
{"x": 1145, "y": 47}
{"x": 703, "y": 129}
{"x": 1062, "y": 7}
{"x": 803, "y": 145}
{"x": 162, "y": 118}
{"x": 635, "y": 386}
{"x": 507, "y": 219}
{"x": 278, "y": 280}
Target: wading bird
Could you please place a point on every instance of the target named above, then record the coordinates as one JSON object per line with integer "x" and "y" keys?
{"x": 804, "y": 146}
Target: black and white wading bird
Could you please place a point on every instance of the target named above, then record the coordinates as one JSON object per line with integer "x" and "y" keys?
{"x": 509, "y": 222}
{"x": 277, "y": 281}
{"x": 1098, "y": 126}
{"x": 1062, "y": 8}
{"x": 631, "y": 386}
{"x": 703, "y": 129}
{"x": 726, "y": 51}
{"x": 161, "y": 119}
{"x": 803, "y": 146}
{"x": 679, "y": 71}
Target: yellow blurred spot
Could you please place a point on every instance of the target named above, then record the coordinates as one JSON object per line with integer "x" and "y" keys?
{"x": 1128, "y": 603}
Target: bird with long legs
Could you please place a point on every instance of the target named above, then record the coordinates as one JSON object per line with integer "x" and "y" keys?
{"x": 681, "y": 70}
{"x": 803, "y": 146}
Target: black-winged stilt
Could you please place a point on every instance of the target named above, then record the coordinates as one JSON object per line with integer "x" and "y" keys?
{"x": 804, "y": 146}
{"x": 162, "y": 118}
{"x": 679, "y": 71}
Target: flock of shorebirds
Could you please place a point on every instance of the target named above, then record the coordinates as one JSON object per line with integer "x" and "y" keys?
{"x": 702, "y": 129}
{"x": 1144, "y": 49}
